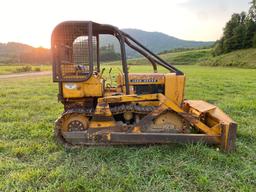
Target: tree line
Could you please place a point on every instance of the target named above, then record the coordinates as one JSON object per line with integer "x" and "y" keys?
{"x": 239, "y": 32}
{"x": 17, "y": 53}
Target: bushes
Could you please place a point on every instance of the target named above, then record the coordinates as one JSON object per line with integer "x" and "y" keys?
{"x": 244, "y": 58}
{"x": 37, "y": 69}
{"x": 27, "y": 68}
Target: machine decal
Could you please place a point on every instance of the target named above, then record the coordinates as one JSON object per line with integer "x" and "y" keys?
{"x": 70, "y": 86}
{"x": 143, "y": 80}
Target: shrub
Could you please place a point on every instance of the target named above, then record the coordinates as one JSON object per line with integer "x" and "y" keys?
{"x": 26, "y": 68}
{"x": 37, "y": 69}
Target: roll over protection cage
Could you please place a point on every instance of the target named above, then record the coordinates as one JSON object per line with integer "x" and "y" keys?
{"x": 91, "y": 29}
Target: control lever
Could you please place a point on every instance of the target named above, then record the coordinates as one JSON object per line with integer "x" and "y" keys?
{"x": 110, "y": 77}
{"x": 101, "y": 73}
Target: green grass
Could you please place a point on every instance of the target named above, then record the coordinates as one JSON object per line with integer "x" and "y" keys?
{"x": 187, "y": 57}
{"x": 177, "y": 58}
{"x": 245, "y": 58}
{"x": 30, "y": 160}
{"x": 10, "y": 69}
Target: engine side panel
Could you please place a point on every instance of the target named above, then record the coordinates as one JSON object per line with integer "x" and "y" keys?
{"x": 93, "y": 87}
{"x": 174, "y": 87}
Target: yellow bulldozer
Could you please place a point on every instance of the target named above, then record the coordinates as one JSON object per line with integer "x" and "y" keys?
{"x": 139, "y": 108}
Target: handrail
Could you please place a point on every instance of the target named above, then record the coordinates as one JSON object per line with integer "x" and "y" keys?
{"x": 143, "y": 53}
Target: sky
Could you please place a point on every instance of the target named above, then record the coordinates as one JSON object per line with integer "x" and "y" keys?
{"x": 32, "y": 21}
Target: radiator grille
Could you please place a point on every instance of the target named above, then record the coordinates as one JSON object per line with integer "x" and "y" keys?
{"x": 148, "y": 89}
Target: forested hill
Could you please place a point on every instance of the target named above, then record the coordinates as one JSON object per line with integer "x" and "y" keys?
{"x": 158, "y": 42}
{"x": 155, "y": 41}
{"x": 21, "y": 53}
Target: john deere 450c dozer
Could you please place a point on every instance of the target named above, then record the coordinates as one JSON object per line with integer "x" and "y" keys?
{"x": 142, "y": 108}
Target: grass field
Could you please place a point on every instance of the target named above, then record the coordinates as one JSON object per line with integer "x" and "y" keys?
{"x": 10, "y": 69}
{"x": 30, "y": 160}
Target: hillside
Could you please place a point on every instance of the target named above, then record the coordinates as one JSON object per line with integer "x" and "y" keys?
{"x": 189, "y": 57}
{"x": 244, "y": 58}
{"x": 21, "y": 53}
{"x": 154, "y": 41}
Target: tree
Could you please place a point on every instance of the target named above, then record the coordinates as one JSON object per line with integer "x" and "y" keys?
{"x": 218, "y": 48}
{"x": 254, "y": 41}
{"x": 250, "y": 30}
{"x": 250, "y": 25}
{"x": 234, "y": 32}
{"x": 252, "y": 11}
{"x": 239, "y": 32}
{"x": 239, "y": 36}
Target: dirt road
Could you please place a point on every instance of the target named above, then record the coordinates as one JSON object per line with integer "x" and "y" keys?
{"x": 32, "y": 74}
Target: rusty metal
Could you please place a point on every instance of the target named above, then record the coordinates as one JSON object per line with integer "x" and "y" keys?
{"x": 74, "y": 122}
{"x": 81, "y": 137}
{"x": 119, "y": 109}
{"x": 169, "y": 122}
{"x": 228, "y": 137}
{"x": 145, "y": 121}
{"x": 164, "y": 138}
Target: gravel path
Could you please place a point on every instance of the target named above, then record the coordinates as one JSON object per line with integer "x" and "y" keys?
{"x": 16, "y": 75}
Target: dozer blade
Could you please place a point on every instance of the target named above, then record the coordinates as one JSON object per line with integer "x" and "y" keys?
{"x": 216, "y": 119}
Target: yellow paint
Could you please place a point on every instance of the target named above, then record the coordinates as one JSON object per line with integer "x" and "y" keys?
{"x": 200, "y": 125}
{"x": 101, "y": 124}
{"x": 148, "y": 103}
{"x": 102, "y": 117}
{"x": 128, "y": 98}
{"x": 72, "y": 90}
{"x": 172, "y": 99}
{"x": 136, "y": 130}
{"x": 174, "y": 87}
{"x": 93, "y": 87}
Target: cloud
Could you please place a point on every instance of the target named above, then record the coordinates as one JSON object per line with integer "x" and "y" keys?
{"x": 218, "y": 9}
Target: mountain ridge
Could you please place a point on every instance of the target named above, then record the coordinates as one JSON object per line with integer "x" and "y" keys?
{"x": 156, "y": 41}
